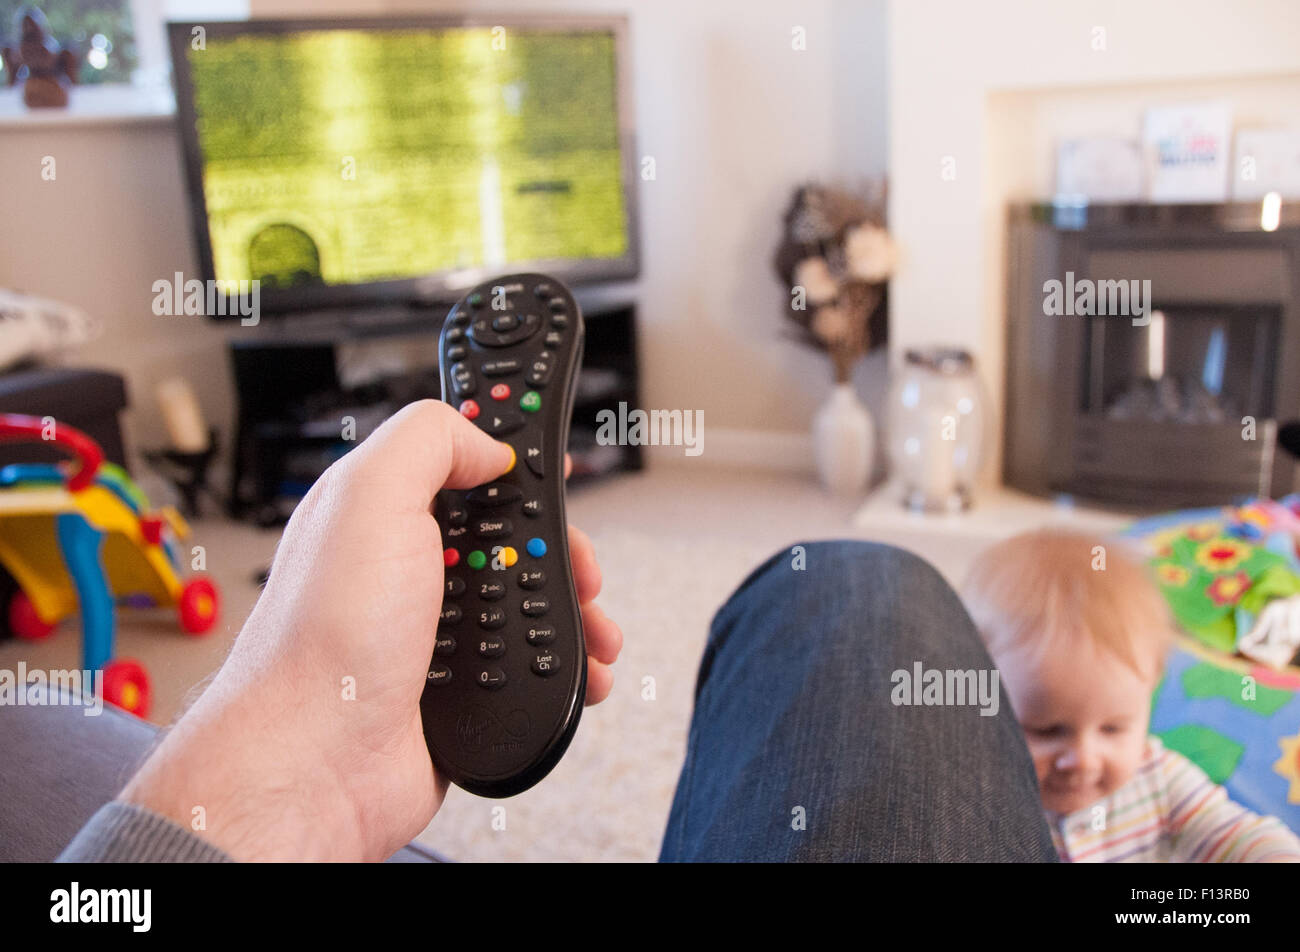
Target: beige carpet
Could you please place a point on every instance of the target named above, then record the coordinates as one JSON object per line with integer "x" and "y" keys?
{"x": 672, "y": 543}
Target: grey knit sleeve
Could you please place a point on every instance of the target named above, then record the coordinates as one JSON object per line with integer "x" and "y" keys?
{"x": 127, "y": 833}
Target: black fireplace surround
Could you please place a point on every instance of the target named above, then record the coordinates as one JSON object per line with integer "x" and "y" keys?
{"x": 1177, "y": 406}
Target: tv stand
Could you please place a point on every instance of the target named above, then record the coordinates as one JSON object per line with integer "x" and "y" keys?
{"x": 292, "y": 402}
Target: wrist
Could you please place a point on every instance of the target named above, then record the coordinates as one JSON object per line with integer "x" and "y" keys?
{"x": 283, "y": 805}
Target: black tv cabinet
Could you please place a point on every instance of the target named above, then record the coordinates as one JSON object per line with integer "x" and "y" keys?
{"x": 291, "y": 402}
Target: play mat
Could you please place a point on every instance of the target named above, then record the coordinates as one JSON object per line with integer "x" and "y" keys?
{"x": 1230, "y": 698}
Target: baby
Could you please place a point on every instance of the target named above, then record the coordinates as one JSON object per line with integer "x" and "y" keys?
{"x": 1079, "y": 633}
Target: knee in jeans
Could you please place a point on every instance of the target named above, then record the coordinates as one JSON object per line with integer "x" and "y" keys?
{"x": 837, "y": 564}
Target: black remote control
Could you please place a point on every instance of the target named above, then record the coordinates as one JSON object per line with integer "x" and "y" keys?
{"x": 508, "y": 677}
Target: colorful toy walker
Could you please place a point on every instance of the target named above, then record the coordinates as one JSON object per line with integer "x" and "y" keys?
{"x": 83, "y": 536}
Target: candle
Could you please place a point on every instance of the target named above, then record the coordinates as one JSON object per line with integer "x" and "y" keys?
{"x": 182, "y": 415}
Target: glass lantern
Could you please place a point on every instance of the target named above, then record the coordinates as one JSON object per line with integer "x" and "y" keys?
{"x": 937, "y": 429}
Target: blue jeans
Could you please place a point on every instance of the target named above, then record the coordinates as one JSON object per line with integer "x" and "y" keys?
{"x": 798, "y": 751}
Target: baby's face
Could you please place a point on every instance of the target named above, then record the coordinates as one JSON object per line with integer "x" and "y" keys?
{"x": 1084, "y": 714}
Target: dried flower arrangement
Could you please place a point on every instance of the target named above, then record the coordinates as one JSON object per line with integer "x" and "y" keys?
{"x": 836, "y": 257}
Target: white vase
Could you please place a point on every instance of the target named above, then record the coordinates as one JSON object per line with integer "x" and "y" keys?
{"x": 844, "y": 439}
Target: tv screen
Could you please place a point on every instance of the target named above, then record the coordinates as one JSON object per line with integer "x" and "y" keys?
{"x": 348, "y": 162}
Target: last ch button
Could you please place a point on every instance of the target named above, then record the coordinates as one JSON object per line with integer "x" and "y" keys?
{"x": 546, "y": 663}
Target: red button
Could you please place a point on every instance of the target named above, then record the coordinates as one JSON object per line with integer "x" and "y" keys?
{"x": 500, "y": 391}
{"x": 450, "y": 557}
{"x": 469, "y": 409}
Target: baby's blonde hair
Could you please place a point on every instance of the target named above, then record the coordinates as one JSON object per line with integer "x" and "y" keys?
{"x": 1051, "y": 589}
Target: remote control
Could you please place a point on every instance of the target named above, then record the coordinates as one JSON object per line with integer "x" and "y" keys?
{"x": 508, "y": 677}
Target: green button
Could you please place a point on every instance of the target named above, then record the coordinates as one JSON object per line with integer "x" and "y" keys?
{"x": 477, "y": 559}
{"x": 531, "y": 401}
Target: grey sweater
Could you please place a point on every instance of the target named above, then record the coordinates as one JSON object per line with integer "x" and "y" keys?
{"x": 126, "y": 833}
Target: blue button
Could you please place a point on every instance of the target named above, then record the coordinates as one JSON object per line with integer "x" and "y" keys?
{"x": 536, "y": 548}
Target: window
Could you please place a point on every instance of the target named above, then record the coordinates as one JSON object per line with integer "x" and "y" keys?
{"x": 100, "y": 32}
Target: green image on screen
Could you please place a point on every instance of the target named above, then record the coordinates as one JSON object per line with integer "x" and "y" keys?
{"x": 350, "y": 156}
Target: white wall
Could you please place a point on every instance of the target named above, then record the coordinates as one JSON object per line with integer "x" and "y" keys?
{"x": 993, "y": 83}
{"x": 733, "y": 116}
{"x": 110, "y": 224}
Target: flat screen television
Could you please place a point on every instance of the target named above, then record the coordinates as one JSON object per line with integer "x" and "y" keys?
{"x": 365, "y": 161}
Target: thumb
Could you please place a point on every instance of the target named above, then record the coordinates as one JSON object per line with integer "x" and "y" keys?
{"x": 428, "y": 445}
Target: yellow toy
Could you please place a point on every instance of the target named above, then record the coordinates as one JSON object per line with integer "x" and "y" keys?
{"x": 83, "y": 537}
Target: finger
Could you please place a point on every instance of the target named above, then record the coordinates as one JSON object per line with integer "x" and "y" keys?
{"x": 568, "y": 465}
{"x": 422, "y": 448}
{"x": 600, "y": 681}
{"x": 586, "y": 571}
{"x": 604, "y": 638}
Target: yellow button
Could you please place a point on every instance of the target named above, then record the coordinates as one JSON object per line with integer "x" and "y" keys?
{"x": 509, "y": 556}
{"x": 512, "y": 458}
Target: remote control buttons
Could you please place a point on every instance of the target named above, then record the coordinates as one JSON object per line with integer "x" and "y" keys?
{"x": 501, "y": 367}
{"x": 544, "y": 290}
{"x": 455, "y": 335}
{"x": 493, "y": 528}
{"x": 540, "y": 635}
{"x": 532, "y": 579}
{"x": 505, "y": 323}
{"x": 450, "y": 557}
{"x": 500, "y": 391}
{"x": 445, "y": 645}
{"x": 462, "y": 380}
{"x": 557, "y": 305}
{"x": 500, "y": 422}
{"x": 453, "y": 587}
{"x": 539, "y": 372}
{"x": 469, "y": 409}
{"x": 491, "y": 678}
{"x": 533, "y": 457}
{"x": 458, "y": 352}
{"x": 552, "y": 339}
{"x": 456, "y": 516}
{"x": 493, "y": 494}
{"x": 476, "y": 559}
{"x": 454, "y": 532}
{"x": 475, "y": 300}
{"x": 449, "y": 615}
{"x": 491, "y": 591}
{"x": 535, "y": 607}
{"x": 509, "y": 556}
{"x": 531, "y": 401}
{"x": 546, "y": 663}
{"x": 532, "y": 508}
{"x": 536, "y": 547}
{"x": 484, "y": 332}
{"x": 439, "y": 674}
{"x": 493, "y": 646}
{"x": 491, "y": 619}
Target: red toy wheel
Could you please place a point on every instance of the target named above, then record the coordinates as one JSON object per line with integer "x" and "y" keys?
{"x": 199, "y": 605}
{"x": 126, "y": 685}
{"x": 23, "y": 620}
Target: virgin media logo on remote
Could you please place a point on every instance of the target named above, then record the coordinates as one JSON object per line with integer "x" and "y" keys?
{"x": 651, "y": 428}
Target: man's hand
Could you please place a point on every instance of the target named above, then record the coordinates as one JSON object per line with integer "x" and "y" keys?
{"x": 308, "y": 743}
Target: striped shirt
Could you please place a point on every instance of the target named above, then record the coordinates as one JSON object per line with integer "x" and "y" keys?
{"x": 1170, "y": 812}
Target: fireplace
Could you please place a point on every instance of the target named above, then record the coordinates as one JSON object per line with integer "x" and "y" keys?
{"x": 1158, "y": 374}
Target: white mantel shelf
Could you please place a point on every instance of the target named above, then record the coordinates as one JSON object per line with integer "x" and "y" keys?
{"x": 90, "y": 106}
